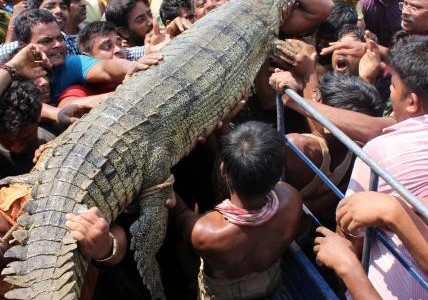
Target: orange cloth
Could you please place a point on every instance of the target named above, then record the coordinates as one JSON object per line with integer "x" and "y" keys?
{"x": 12, "y": 199}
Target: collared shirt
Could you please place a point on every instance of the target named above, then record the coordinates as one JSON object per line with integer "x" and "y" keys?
{"x": 403, "y": 152}
{"x": 132, "y": 53}
{"x": 382, "y": 18}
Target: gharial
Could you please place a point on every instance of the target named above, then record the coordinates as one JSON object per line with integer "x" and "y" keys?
{"x": 126, "y": 146}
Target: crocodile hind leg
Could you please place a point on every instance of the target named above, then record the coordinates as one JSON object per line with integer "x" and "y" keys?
{"x": 148, "y": 233}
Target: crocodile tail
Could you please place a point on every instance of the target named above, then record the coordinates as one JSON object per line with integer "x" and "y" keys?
{"x": 148, "y": 233}
{"x": 48, "y": 264}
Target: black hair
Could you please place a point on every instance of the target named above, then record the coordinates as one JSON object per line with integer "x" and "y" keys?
{"x": 409, "y": 60}
{"x": 353, "y": 29}
{"x": 117, "y": 11}
{"x": 19, "y": 106}
{"x": 351, "y": 93}
{"x": 253, "y": 158}
{"x": 91, "y": 29}
{"x": 171, "y": 9}
{"x": 28, "y": 19}
{"x": 35, "y": 4}
{"x": 342, "y": 15}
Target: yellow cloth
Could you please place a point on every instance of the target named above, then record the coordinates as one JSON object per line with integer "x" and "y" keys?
{"x": 4, "y": 23}
{"x": 259, "y": 285}
{"x": 317, "y": 187}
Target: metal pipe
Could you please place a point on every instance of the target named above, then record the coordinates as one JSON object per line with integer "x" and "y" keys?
{"x": 417, "y": 204}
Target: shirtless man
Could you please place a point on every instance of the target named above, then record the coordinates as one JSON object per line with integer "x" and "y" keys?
{"x": 261, "y": 214}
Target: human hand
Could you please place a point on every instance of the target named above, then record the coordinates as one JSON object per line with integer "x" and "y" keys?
{"x": 171, "y": 202}
{"x": 155, "y": 39}
{"x": 39, "y": 152}
{"x": 295, "y": 56}
{"x": 353, "y": 48}
{"x": 30, "y": 62}
{"x": 281, "y": 79}
{"x": 334, "y": 251}
{"x": 369, "y": 67}
{"x": 143, "y": 63}
{"x": 91, "y": 231}
{"x": 177, "y": 26}
{"x": 364, "y": 209}
{"x": 71, "y": 113}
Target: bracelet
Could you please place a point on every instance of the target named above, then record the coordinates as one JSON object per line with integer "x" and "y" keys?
{"x": 10, "y": 70}
{"x": 113, "y": 252}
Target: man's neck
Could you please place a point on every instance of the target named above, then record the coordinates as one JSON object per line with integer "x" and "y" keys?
{"x": 248, "y": 203}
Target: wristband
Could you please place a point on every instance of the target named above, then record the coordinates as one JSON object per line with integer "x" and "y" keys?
{"x": 113, "y": 252}
{"x": 10, "y": 70}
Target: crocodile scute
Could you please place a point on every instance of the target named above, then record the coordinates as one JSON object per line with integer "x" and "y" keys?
{"x": 124, "y": 148}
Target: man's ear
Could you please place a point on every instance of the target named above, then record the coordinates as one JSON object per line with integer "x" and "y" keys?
{"x": 415, "y": 104}
{"x": 123, "y": 32}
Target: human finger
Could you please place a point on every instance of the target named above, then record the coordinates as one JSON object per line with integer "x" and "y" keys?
{"x": 78, "y": 225}
{"x": 324, "y": 231}
{"x": 316, "y": 248}
{"x": 78, "y": 236}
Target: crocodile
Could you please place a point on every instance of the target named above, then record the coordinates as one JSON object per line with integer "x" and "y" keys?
{"x": 123, "y": 150}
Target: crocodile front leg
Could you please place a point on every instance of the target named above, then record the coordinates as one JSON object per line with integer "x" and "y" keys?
{"x": 148, "y": 233}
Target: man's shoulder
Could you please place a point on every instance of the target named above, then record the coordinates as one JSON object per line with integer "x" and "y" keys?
{"x": 80, "y": 58}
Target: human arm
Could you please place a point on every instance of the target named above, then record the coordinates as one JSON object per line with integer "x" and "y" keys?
{"x": 90, "y": 101}
{"x": 94, "y": 236}
{"x": 185, "y": 218}
{"x": 115, "y": 70}
{"x": 371, "y": 209}
{"x": 359, "y": 127}
{"x": 337, "y": 253}
{"x": 28, "y": 63}
{"x": 306, "y": 16}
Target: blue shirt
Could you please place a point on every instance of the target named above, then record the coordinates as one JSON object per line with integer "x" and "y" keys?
{"x": 73, "y": 71}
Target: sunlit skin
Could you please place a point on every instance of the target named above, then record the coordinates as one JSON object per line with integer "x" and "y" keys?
{"x": 59, "y": 9}
{"x": 399, "y": 93}
{"x": 49, "y": 38}
{"x": 415, "y": 16}
{"x": 107, "y": 46}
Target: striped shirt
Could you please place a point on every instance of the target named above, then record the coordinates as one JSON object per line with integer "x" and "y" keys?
{"x": 403, "y": 152}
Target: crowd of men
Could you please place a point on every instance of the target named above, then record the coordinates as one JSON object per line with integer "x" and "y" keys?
{"x": 238, "y": 196}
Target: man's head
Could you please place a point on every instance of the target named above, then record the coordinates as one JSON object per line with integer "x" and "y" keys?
{"x": 171, "y": 9}
{"x": 100, "y": 39}
{"x": 351, "y": 93}
{"x": 414, "y": 14}
{"x": 59, "y": 8}
{"x": 202, "y": 7}
{"x": 409, "y": 83}
{"x": 77, "y": 11}
{"x": 133, "y": 19}
{"x": 20, "y": 109}
{"x": 341, "y": 16}
{"x": 253, "y": 158}
{"x": 348, "y": 64}
{"x": 39, "y": 27}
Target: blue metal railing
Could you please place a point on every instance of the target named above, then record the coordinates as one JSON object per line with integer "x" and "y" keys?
{"x": 377, "y": 172}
